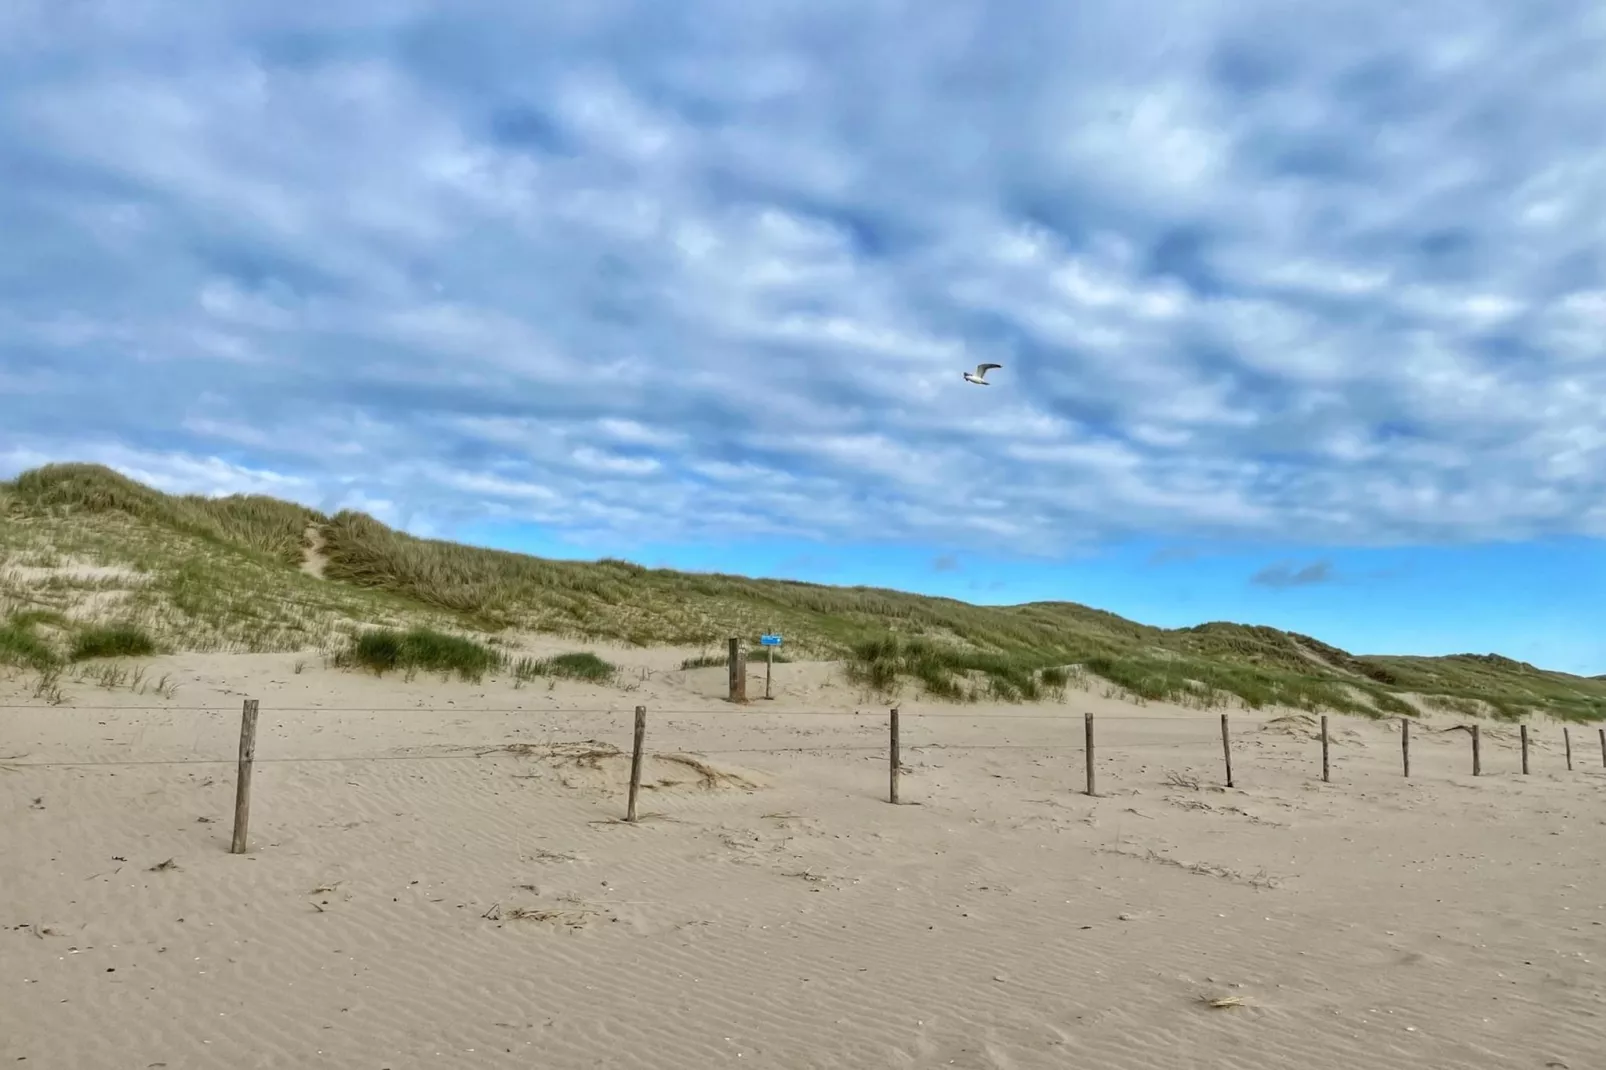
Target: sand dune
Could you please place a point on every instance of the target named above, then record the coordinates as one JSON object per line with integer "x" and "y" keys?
{"x": 439, "y": 877}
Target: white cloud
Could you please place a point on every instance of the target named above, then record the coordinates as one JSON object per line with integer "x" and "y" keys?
{"x": 1277, "y": 272}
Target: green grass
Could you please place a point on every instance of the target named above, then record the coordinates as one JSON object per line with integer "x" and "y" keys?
{"x": 21, "y": 647}
{"x": 580, "y": 665}
{"x": 1509, "y": 689}
{"x": 383, "y": 650}
{"x": 953, "y": 673}
{"x": 220, "y": 574}
{"x": 112, "y": 641}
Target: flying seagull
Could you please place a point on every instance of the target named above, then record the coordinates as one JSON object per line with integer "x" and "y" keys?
{"x": 979, "y": 376}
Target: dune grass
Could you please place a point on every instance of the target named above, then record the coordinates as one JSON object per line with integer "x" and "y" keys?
{"x": 189, "y": 591}
{"x": 954, "y": 673}
{"x": 274, "y": 528}
{"x": 219, "y": 573}
{"x": 705, "y": 661}
{"x": 1502, "y": 687}
{"x": 383, "y": 650}
{"x": 579, "y": 665}
{"x": 20, "y": 646}
{"x": 112, "y": 641}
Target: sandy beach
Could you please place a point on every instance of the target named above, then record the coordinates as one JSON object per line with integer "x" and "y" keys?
{"x": 438, "y": 876}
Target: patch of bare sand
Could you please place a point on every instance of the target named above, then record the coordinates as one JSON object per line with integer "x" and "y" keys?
{"x": 477, "y": 899}
{"x": 313, "y": 558}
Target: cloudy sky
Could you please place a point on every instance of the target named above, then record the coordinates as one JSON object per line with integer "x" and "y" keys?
{"x": 1301, "y": 312}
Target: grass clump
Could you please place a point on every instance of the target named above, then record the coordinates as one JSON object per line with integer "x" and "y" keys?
{"x": 1387, "y": 702}
{"x": 383, "y": 650}
{"x": 706, "y": 661}
{"x": 20, "y": 646}
{"x": 579, "y": 665}
{"x": 112, "y": 641}
{"x": 953, "y": 673}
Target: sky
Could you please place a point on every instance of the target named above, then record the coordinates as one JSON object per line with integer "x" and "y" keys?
{"x": 1300, "y": 311}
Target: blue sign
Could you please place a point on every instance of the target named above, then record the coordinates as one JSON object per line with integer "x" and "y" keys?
{"x": 769, "y": 640}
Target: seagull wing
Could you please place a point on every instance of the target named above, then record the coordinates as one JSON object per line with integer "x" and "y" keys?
{"x": 983, "y": 369}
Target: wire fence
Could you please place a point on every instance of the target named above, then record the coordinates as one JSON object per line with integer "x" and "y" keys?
{"x": 213, "y": 718}
{"x": 745, "y": 718}
{"x": 21, "y": 762}
{"x": 1304, "y": 731}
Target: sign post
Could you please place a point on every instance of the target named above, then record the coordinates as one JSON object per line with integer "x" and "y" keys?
{"x": 769, "y": 642}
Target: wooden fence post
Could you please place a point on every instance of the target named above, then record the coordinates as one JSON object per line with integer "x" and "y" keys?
{"x": 1603, "y": 746}
{"x": 1327, "y": 769}
{"x": 892, "y": 756}
{"x": 635, "y": 762}
{"x": 1477, "y": 752}
{"x": 1088, "y": 747}
{"x": 1567, "y": 737}
{"x": 738, "y": 672}
{"x": 1226, "y": 749}
{"x": 1405, "y": 745}
{"x": 1524, "y": 730}
{"x": 242, "y": 777}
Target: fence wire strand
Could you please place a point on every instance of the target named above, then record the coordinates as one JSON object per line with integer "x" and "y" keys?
{"x": 703, "y": 711}
{"x": 730, "y": 716}
{"x": 9, "y": 763}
